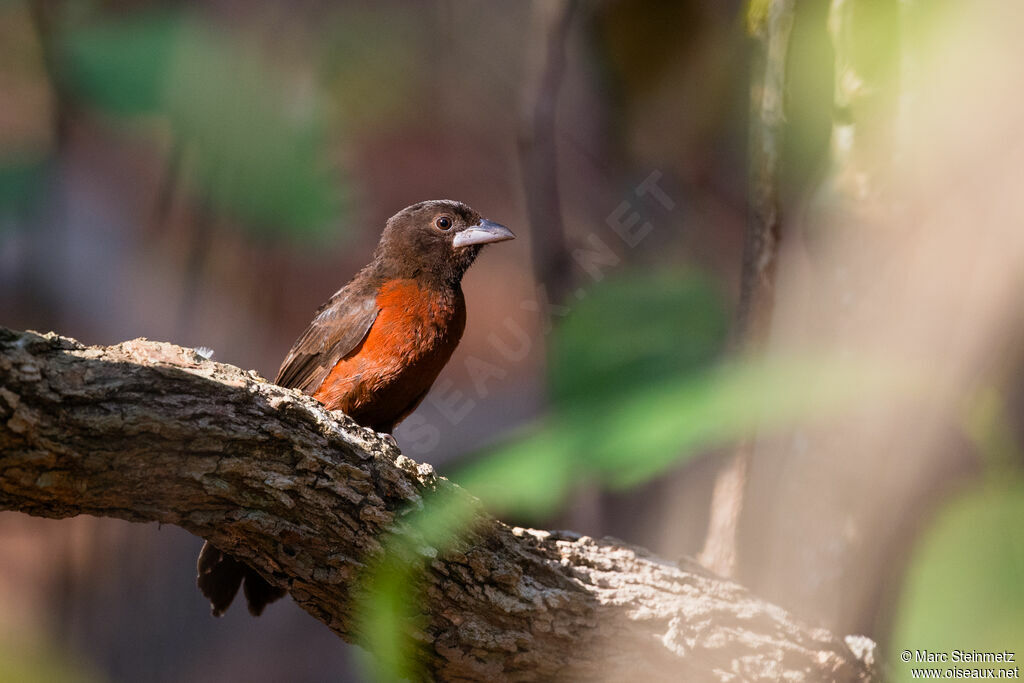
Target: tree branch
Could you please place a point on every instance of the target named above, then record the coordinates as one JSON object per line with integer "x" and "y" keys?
{"x": 148, "y": 431}
{"x": 760, "y": 256}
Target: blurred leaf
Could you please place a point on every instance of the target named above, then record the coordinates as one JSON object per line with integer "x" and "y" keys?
{"x": 630, "y": 335}
{"x": 867, "y": 49}
{"x": 257, "y": 143}
{"x": 21, "y": 185}
{"x": 964, "y": 588}
{"x": 635, "y": 329}
{"x": 642, "y": 432}
{"x": 122, "y": 66}
{"x": 530, "y": 475}
{"x": 991, "y": 429}
{"x": 635, "y": 391}
{"x": 26, "y": 659}
{"x": 388, "y": 600}
{"x": 384, "y": 617}
{"x": 363, "y": 47}
{"x": 757, "y": 15}
{"x": 671, "y": 421}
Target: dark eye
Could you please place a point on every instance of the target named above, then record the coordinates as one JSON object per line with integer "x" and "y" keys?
{"x": 444, "y": 223}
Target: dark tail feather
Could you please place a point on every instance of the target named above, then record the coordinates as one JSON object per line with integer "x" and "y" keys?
{"x": 259, "y": 593}
{"x": 219, "y": 577}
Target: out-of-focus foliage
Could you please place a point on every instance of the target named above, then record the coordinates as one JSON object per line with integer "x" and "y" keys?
{"x": 635, "y": 329}
{"x": 963, "y": 589}
{"x": 255, "y": 142}
{"x": 991, "y": 429}
{"x": 644, "y": 432}
{"x": 363, "y": 49}
{"x": 619, "y": 336}
{"x": 757, "y": 15}
{"x": 388, "y": 598}
{"x": 25, "y": 135}
{"x": 623, "y": 354}
{"x": 21, "y": 184}
{"x": 35, "y": 662}
{"x": 635, "y": 390}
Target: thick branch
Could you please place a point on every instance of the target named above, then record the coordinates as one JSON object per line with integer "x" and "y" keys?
{"x": 148, "y": 431}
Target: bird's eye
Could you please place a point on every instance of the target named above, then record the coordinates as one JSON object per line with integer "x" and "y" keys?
{"x": 444, "y": 223}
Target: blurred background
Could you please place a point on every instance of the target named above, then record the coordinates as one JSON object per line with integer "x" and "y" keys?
{"x": 208, "y": 172}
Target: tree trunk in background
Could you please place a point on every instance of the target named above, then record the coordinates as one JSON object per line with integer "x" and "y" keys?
{"x": 760, "y": 254}
{"x": 538, "y": 146}
{"x": 826, "y": 543}
{"x": 538, "y": 154}
{"x": 887, "y": 280}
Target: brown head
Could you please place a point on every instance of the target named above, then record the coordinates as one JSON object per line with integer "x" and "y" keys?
{"x": 438, "y": 239}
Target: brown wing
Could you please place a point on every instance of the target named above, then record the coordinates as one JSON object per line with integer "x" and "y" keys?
{"x": 338, "y": 328}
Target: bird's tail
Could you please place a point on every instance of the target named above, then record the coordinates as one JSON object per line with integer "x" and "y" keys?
{"x": 219, "y": 577}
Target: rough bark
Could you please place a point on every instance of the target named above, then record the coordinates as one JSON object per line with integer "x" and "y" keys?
{"x": 149, "y": 431}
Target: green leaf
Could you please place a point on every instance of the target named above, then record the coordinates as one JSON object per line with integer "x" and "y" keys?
{"x": 964, "y": 588}
{"x": 530, "y": 475}
{"x": 388, "y": 597}
{"x": 122, "y": 65}
{"x": 255, "y": 143}
{"x": 642, "y": 432}
{"x": 28, "y": 657}
{"x": 635, "y": 329}
{"x": 636, "y": 390}
{"x": 757, "y": 15}
{"x": 21, "y": 185}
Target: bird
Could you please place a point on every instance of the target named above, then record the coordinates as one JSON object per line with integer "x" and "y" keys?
{"x": 374, "y": 349}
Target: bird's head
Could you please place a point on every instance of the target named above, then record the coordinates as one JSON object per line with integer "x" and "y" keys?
{"x": 438, "y": 238}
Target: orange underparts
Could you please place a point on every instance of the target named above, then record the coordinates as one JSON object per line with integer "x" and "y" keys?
{"x": 386, "y": 376}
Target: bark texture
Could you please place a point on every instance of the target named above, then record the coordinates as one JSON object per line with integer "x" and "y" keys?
{"x": 149, "y": 431}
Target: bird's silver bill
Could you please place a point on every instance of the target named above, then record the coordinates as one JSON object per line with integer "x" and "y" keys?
{"x": 483, "y": 232}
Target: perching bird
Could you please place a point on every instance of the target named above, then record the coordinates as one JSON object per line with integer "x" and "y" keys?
{"x": 375, "y": 348}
